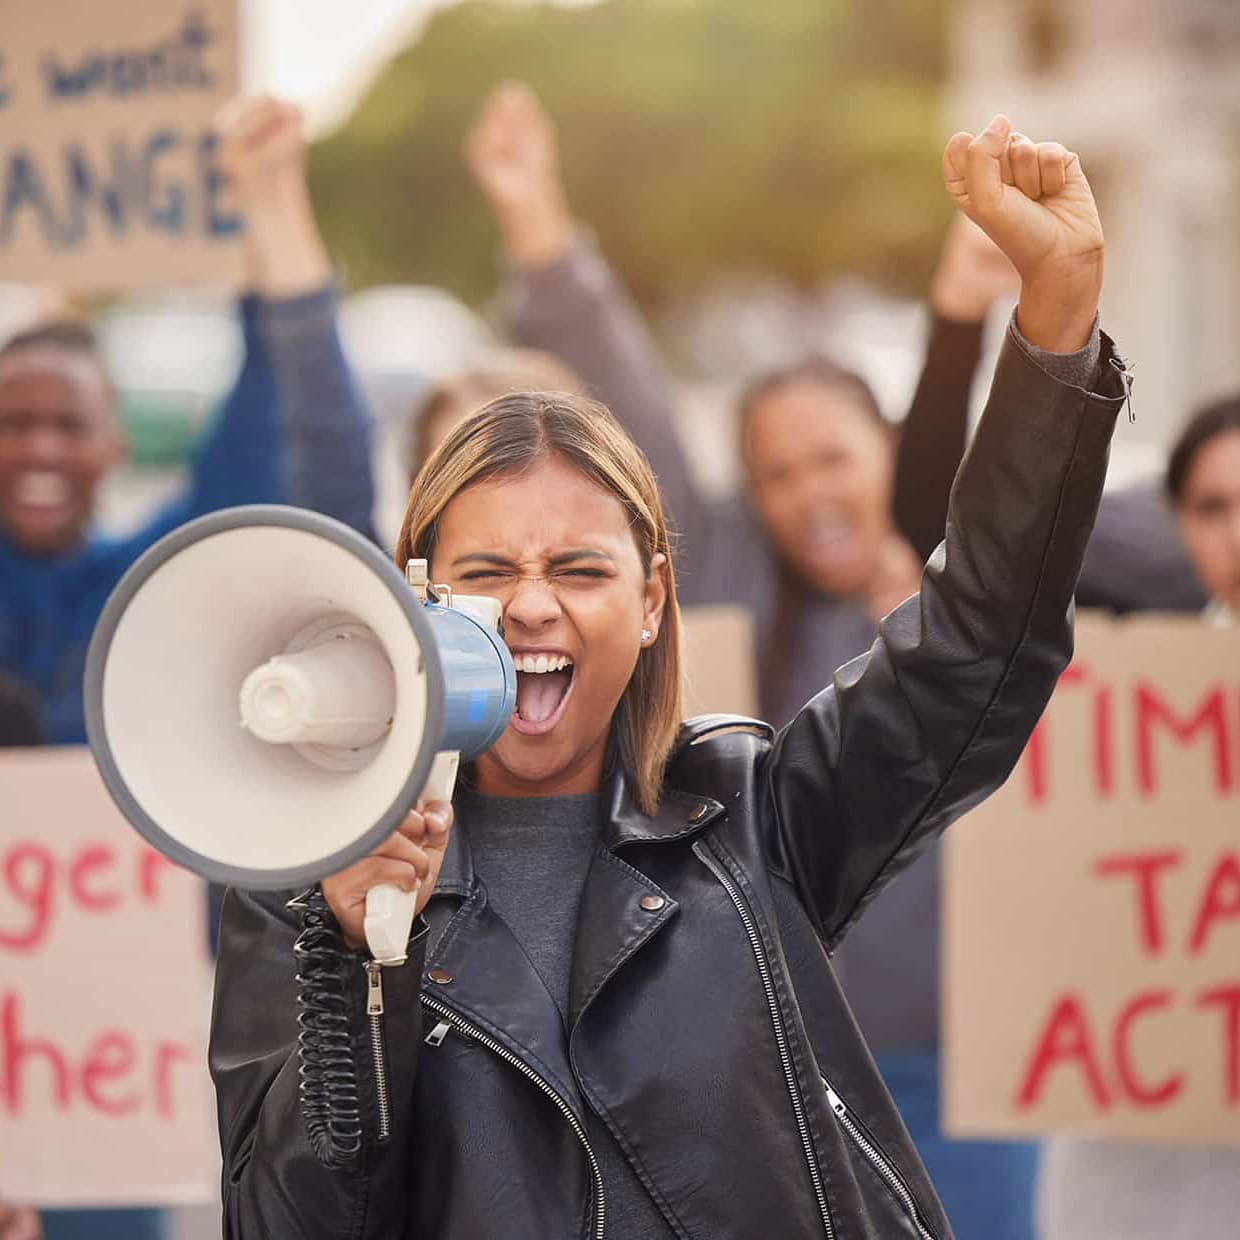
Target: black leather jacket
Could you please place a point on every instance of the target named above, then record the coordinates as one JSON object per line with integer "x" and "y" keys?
{"x": 706, "y": 1026}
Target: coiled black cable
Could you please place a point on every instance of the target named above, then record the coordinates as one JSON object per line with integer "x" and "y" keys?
{"x": 328, "y": 1086}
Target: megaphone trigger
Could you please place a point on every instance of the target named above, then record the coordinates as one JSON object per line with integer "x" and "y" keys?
{"x": 389, "y": 911}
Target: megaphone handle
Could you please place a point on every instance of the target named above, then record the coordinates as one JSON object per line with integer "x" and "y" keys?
{"x": 389, "y": 911}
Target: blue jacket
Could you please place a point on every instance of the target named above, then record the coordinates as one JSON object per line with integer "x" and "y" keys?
{"x": 292, "y": 427}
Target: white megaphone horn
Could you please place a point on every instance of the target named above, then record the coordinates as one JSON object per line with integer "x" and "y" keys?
{"x": 267, "y": 697}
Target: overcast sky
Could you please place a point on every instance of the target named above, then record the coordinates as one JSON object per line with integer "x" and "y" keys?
{"x": 321, "y": 53}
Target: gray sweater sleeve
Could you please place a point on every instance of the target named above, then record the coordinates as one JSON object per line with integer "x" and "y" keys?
{"x": 325, "y": 420}
{"x": 577, "y": 309}
{"x": 1076, "y": 368}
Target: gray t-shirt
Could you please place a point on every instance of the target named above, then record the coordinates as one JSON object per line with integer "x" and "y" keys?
{"x": 532, "y": 855}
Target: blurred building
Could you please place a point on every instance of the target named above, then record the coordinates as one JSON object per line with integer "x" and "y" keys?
{"x": 1148, "y": 91}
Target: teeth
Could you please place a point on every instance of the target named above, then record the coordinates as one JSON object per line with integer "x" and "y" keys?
{"x": 41, "y": 487}
{"x": 537, "y": 663}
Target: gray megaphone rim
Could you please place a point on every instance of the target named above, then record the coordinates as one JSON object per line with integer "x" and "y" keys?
{"x": 97, "y": 657}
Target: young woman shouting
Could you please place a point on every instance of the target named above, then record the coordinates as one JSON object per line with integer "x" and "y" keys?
{"x": 618, "y": 1018}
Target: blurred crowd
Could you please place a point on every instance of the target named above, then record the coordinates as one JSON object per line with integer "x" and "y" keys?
{"x": 838, "y": 511}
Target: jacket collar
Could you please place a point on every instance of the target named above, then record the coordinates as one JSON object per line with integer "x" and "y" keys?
{"x": 677, "y": 816}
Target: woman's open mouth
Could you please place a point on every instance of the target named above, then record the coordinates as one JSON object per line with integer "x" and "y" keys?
{"x": 544, "y": 685}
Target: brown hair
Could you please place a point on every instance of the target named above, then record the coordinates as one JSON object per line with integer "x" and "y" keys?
{"x": 1204, "y": 425}
{"x": 500, "y": 372}
{"x": 511, "y": 434}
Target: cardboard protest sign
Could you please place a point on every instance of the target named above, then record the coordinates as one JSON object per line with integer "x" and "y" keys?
{"x": 720, "y": 677}
{"x": 104, "y": 995}
{"x": 108, "y": 177}
{"x": 1092, "y": 907}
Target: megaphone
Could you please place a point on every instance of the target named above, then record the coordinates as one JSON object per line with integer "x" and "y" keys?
{"x": 267, "y": 696}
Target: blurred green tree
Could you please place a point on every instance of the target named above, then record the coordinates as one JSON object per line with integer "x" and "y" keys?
{"x": 793, "y": 137}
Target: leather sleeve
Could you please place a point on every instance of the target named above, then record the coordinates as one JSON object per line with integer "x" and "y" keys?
{"x": 273, "y": 1185}
{"x": 934, "y": 717}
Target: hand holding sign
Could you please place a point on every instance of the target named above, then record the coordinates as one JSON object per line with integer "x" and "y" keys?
{"x": 19, "y": 1223}
{"x": 262, "y": 155}
{"x": 1033, "y": 201}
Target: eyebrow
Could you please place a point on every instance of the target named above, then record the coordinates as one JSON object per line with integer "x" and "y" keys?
{"x": 556, "y": 561}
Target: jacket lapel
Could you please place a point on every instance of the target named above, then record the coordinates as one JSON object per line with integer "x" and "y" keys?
{"x": 622, "y": 909}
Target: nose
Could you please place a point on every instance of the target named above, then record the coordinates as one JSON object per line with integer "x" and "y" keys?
{"x": 532, "y": 605}
{"x": 44, "y": 445}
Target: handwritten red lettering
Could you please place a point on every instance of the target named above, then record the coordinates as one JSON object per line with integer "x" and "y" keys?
{"x": 1145, "y": 869}
{"x": 1227, "y": 998}
{"x": 1220, "y": 902}
{"x": 17, "y": 1051}
{"x": 167, "y": 1056}
{"x": 1142, "y": 1095}
{"x": 29, "y": 873}
{"x": 1210, "y": 717}
{"x": 109, "y": 1061}
{"x": 151, "y": 866}
{"x": 1065, "y": 1041}
{"x": 90, "y": 861}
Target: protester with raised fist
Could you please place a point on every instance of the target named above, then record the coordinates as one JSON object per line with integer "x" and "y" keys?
{"x": 812, "y": 550}
{"x": 618, "y": 1016}
{"x": 291, "y": 427}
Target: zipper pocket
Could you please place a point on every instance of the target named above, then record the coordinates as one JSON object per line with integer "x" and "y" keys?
{"x": 874, "y": 1155}
{"x": 717, "y": 868}
{"x": 451, "y": 1020}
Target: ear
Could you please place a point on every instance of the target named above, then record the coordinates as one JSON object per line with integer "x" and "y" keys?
{"x": 655, "y": 598}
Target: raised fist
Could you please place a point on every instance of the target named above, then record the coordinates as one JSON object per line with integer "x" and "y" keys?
{"x": 262, "y": 147}
{"x": 262, "y": 154}
{"x": 512, "y": 153}
{"x": 1033, "y": 201}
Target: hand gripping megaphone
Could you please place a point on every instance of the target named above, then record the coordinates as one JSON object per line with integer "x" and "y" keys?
{"x": 267, "y": 696}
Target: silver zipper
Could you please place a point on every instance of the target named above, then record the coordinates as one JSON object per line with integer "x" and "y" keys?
{"x": 878, "y": 1160}
{"x": 374, "y": 1016}
{"x": 781, "y": 1039}
{"x": 497, "y": 1048}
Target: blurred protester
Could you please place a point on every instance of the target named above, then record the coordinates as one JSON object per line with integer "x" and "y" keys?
{"x": 262, "y": 153}
{"x": 812, "y": 550}
{"x": 1135, "y": 560}
{"x": 1128, "y": 1191}
{"x": 1203, "y": 485}
{"x": 60, "y": 435}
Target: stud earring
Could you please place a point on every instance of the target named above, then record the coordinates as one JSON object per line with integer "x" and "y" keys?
{"x": 646, "y": 635}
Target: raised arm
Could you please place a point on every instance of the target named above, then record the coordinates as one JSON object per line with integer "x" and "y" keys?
{"x": 240, "y": 457}
{"x": 561, "y": 296}
{"x": 972, "y": 274}
{"x": 328, "y": 429}
{"x": 933, "y": 719}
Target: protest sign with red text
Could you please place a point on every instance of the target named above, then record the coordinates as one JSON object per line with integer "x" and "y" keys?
{"x": 1092, "y": 907}
{"x": 104, "y": 993}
